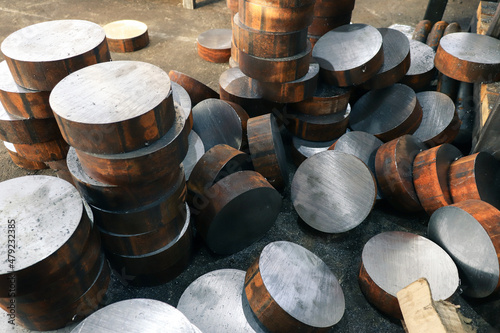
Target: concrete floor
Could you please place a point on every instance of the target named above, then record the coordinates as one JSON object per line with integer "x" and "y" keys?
{"x": 173, "y": 31}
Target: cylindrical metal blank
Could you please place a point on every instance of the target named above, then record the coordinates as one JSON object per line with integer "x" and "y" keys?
{"x": 196, "y": 90}
{"x": 440, "y": 123}
{"x": 143, "y": 165}
{"x": 276, "y": 70}
{"x": 113, "y": 197}
{"x": 158, "y": 266}
{"x": 42, "y": 54}
{"x": 431, "y": 176}
{"x": 469, "y": 231}
{"x": 220, "y": 161}
{"x": 114, "y": 107}
{"x": 54, "y": 150}
{"x": 241, "y": 89}
{"x": 16, "y": 129}
{"x": 387, "y": 113}
{"x": 327, "y": 99}
{"x": 266, "y": 44}
{"x": 21, "y": 161}
{"x": 260, "y": 16}
{"x": 333, "y": 192}
{"x": 318, "y": 128}
{"x": 60, "y": 267}
{"x": 290, "y": 289}
{"x": 166, "y": 212}
{"x": 396, "y": 60}
{"x": 476, "y": 176}
{"x": 240, "y": 209}
{"x": 394, "y": 171}
{"x": 214, "y": 302}
{"x": 126, "y": 35}
{"x": 214, "y": 45}
{"x": 220, "y": 122}
{"x": 155, "y": 316}
{"x": 469, "y": 57}
{"x": 350, "y": 54}
{"x": 392, "y": 260}
{"x": 421, "y": 69}
{"x": 267, "y": 150}
{"x": 22, "y": 102}
{"x": 293, "y": 91}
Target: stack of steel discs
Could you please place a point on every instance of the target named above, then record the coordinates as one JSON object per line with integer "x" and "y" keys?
{"x": 272, "y": 46}
{"x": 129, "y": 137}
{"x": 52, "y": 270}
{"x": 328, "y": 15}
{"x": 37, "y": 58}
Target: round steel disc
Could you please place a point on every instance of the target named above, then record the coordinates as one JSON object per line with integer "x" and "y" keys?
{"x": 395, "y": 259}
{"x": 301, "y": 284}
{"x": 46, "y": 212}
{"x": 137, "y": 315}
{"x": 216, "y": 122}
{"x": 214, "y": 303}
{"x": 467, "y": 242}
{"x": 333, "y": 191}
{"x": 438, "y": 113}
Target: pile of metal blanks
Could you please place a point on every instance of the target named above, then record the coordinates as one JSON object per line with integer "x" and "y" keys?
{"x": 37, "y": 58}
{"x": 129, "y": 135}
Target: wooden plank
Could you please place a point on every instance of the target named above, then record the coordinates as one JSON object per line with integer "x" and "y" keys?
{"x": 422, "y": 314}
{"x": 487, "y": 96}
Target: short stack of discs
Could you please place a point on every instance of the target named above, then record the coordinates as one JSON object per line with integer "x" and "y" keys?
{"x": 37, "y": 58}
{"x": 392, "y": 260}
{"x": 270, "y": 40}
{"x": 289, "y": 282}
{"x": 56, "y": 265}
{"x": 324, "y": 117}
{"x": 328, "y": 15}
{"x": 153, "y": 316}
{"x": 126, "y": 161}
{"x": 126, "y": 35}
